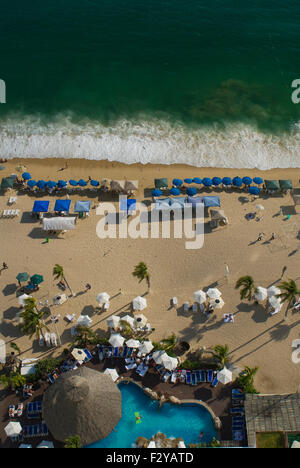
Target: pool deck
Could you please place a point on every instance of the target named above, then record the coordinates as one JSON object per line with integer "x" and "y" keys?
{"x": 218, "y": 399}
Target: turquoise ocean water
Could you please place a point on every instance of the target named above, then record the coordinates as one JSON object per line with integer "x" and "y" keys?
{"x": 203, "y": 82}
{"x": 186, "y": 421}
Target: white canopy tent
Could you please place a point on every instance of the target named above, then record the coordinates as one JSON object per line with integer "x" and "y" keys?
{"x": 213, "y": 293}
{"x": 139, "y": 303}
{"x": 102, "y": 298}
{"x": 59, "y": 224}
{"x": 140, "y": 320}
{"x": 200, "y": 297}
{"x": 116, "y": 340}
{"x": 273, "y": 291}
{"x": 13, "y": 429}
{"x": 224, "y": 376}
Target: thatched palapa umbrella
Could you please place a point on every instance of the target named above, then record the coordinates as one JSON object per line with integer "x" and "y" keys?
{"x": 83, "y": 402}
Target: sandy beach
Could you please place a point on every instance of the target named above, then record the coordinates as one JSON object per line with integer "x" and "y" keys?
{"x": 254, "y": 339}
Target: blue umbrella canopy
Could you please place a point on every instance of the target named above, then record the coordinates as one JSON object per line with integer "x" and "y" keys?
{"x": 37, "y": 279}
{"x": 191, "y": 191}
{"x": 31, "y": 183}
{"x": 226, "y": 181}
{"x": 21, "y": 277}
{"x": 61, "y": 183}
{"x": 175, "y": 191}
{"x": 73, "y": 182}
{"x": 40, "y": 206}
{"x": 188, "y": 181}
{"x": 26, "y": 176}
{"x": 62, "y": 205}
{"x": 41, "y": 184}
{"x": 82, "y": 206}
{"x": 177, "y": 182}
{"x": 247, "y": 180}
{"x": 207, "y": 182}
{"x": 82, "y": 183}
{"x": 156, "y": 193}
{"x": 216, "y": 181}
{"x": 258, "y": 180}
{"x": 51, "y": 184}
{"x": 237, "y": 182}
{"x": 197, "y": 180}
{"x": 254, "y": 190}
{"x": 94, "y": 183}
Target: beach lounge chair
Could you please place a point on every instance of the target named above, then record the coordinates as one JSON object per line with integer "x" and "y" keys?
{"x": 48, "y": 339}
{"x": 160, "y": 369}
{"x": 88, "y": 355}
{"x": 202, "y": 376}
{"x": 215, "y": 382}
{"x": 130, "y": 366}
{"x": 116, "y": 352}
{"x": 174, "y": 377}
{"x": 210, "y": 376}
{"x": 182, "y": 375}
{"x": 11, "y": 411}
{"x": 129, "y": 352}
{"x": 198, "y": 376}
{"x": 166, "y": 376}
{"x": 101, "y": 352}
{"x": 238, "y": 435}
{"x": 237, "y": 410}
{"x": 237, "y": 394}
{"x": 188, "y": 378}
{"x": 195, "y": 307}
{"x": 20, "y": 409}
{"x": 109, "y": 351}
{"x": 186, "y": 307}
{"x": 194, "y": 381}
{"x": 124, "y": 352}
{"x": 53, "y": 339}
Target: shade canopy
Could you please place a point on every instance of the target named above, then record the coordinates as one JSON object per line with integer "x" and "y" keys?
{"x": 59, "y": 224}
{"x": 113, "y": 321}
{"x": 217, "y": 303}
{"x": 200, "y": 296}
{"x": 102, "y": 298}
{"x": 254, "y": 190}
{"x": 84, "y": 321}
{"x": 207, "y": 182}
{"x": 112, "y": 373}
{"x": 139, "y": 303}
{"x": 62, "y": 183}
{"x": 31, "y": 183}
{"x": 140, "y": 320}
{"x": 117, "y": 185}
{"x": 237, "y": 181}
{"x": 161, "y": 183}
{"x": 26, "y": 176}
{"x": 128, "y": 319}
{"x": 83, "y": 402}
{"x": 21, "y": 299}
{"x": 116, "y": 340}
{"x": 36, "y": 279}
{"x": 177, "y": 182}
{"x": 273, "y": 291}
{"x": 82, "y": 183}
{"x": 159, "y": 355}
{"x": 258, "y": 180}
{"x": 82, "y": 206}
{"x": 191, "y": 191}
{"x": 131, "y": 185}
{"x": 145, "y": 347}
{"x": 188, "y": 180}
{"x": 7, "y": 182}
{"x": 156, "y": 193}
{"x": 73, "y": 182}
{"x": 216, "y": 181}
{"x": 272, "y": 185}
{"x": 133, "y": 343}
{"x": 197, "y": 180}
{"x": 169, "y": 362}
{"x": 175, "y": 191}
{"x": 286, "y": 184}
{"x": 226, "y": 181}
{"x": 211, "y": 201}
{"x": 261, "y": 293}
{"x": 213, "y": 293}
{"x": 247, "y": 180}
{"x": 40, "y": 206}
{"x": 62, "y": 205}
{"x": 41, "y": 184}
{"x": 13, "y": 429}
{"x": 224, "y": 376}
{"x": 21, "y": 277}
{"x": 51, "y": 184}
{"x": 94, "y": 183}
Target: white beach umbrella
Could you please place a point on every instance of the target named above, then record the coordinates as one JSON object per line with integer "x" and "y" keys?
{"x": 113, "y": 321}
{"x": 102, "y": 298}
{"x": 139, "y": 303}
{"x": 140, "y": 320}
{"x": 159, "y": 355}
{"x": 217, "y": 303}
{"x": 84, "y": 321}
{"x": 260, "y": 207}
{"x": 128, "y": 319}
{"x": 21, "y": 299}
{"x": 46, "y": 444}
{"x": 78, "y": 354}
{"x": 60, "y": 299}
{"x": 169, "y": 362}
{"x": 146, "y": 347}
{"x": 200, "y": 297}
{"x": 116, "y": 340}
{"x": 273, "y": 291}
{"x": 213, "y": 293}
{"x": 275, "y": 302}
{"x": 261, "y": 293}
{"x": 133, "y": 343}
{"x": 13, "y": 429}
{"x": 224, "y": 376}
{"x": 112, "y": 373}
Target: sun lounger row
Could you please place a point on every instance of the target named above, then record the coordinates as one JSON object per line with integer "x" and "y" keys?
{"x": 13, "y": 411}
{"x": 10, "y": 213}
{"x": 36, "y": 430}
{"x": 34, "y": 409}
{"x": 189, "y": 377}
{"x": 237, "y": 412}
{"x": 109, "y": 351}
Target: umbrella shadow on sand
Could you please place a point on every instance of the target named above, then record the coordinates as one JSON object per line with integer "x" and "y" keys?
{"x": 9, "y": 289}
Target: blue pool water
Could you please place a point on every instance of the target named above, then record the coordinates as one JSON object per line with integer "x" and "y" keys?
{"x": 185, "y": 421}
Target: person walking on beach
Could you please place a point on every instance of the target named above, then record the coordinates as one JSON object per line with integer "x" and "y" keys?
{"x": 260, "y": 236}
{"x": 4, "y": 266}
{"x": 273, "y": 236}
{"x": 88, "y": 287}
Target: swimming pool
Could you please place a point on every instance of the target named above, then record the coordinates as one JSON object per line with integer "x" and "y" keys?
{"x": 186, "y": 421}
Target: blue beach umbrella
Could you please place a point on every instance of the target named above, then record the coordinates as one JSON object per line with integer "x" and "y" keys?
{"x": 94, "y": 183}
{"x": 188, "y": 181}
{"x": 26, "y": 176}
{"x": 197, "y": 180}
{"x": 237, "y": 182}
{"x": 51, "y": 184}
{"x": 156, "y": 193}
{"x": 191, "y": 191}
{"x": 175, "y": 191}
{"x": 31, "y": 183}
{"x": 254, "y": 190}
{"x": 207, "y": 182}
{"x": 247, "y": 180}
{"x": 82, "y": 183}
{"x": 41, "y": 184}
{"x": 73, "y": 182}
{"x": 258, "y": 180}
{"x": 177, "y": 182}
{"x": 216, "y": 181}
{"x": 61, "y": 183}
{"x": 226, "y": 181}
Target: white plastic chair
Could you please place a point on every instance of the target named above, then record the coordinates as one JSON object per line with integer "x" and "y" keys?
{"x": 186, "y": 306}
{"x": 195, "y": 307}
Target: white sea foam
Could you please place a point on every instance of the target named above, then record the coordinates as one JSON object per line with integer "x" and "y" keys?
{"x": 148, "y": 141}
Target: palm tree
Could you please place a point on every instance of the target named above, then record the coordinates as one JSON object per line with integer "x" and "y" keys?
{"x": 221, "y": 353}
{"x": 73, "y": 442}
{"x": 84, "y": 336}
{"x": 33, "y": 319}
{"x": 288, "y": 294}
{"x": 58, "y": 273}
{"x": 246, "y": 283}
{"x": 246, "y": 379}
{"x": 15, "y": 347}
{"x": 169, "y": 343}
{"x": 141, "y": 272}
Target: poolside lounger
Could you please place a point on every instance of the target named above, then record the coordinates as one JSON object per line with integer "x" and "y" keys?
{"x": 188, "y": 377}
{"x": 48, "y": 339}
{"x": 215, "y": 382}
{"x": 195, "y": 307}
{"x": 116, "y": 352}
{"x": 236, "y": 391}
{"x": 238, "y": 419}
{"x": 160, "y": 369}
{"x": 109, "y": 351}
{"x": 238, "y": 435}
{"x": 186, "y": 306}
{"x": 131, "y": 366}
{"x": 202, "y": 376}
{"x": 174, "y": 377}
{"x": 129, "y": 352}
{"x": 194, "y": 378}
{"x": 166, "y": 376}
{"x": 210, "y": 375}
{"x": 198, "y": 376}
{"x": 237, "y": 410}
{"x": 101, "y": 352}
{"x": 89, "y": 357}
{"x": 53, "y": 339}
{"x": 124, "y": 352}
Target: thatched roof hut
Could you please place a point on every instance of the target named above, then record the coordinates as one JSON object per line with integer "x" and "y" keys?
{"x": 83, "y": 402}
